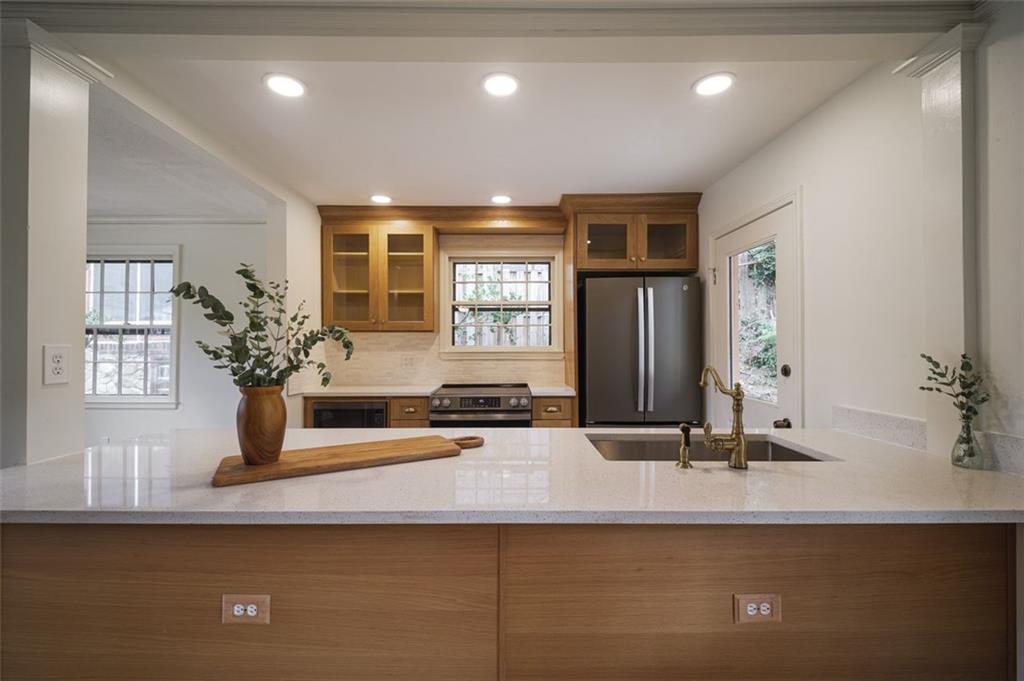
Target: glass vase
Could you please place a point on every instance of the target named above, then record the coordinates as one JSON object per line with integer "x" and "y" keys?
{"x": 967, "y": 450}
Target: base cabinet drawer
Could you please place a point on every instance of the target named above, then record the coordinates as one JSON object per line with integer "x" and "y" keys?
{"x": 552, "y": 408}
{"x": 553, "y": 423}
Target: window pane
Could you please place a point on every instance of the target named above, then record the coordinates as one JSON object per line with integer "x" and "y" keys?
{"x": 513, "y": 271}
{"x": 92, "y": 276}
{"x": 540, "y": 271}
{"x": 159, "y": 378}
{"x": 752, "y": 327}
{"x": 463, "y": 336}
{"x": 478, "y": 291}
{"x": 88, "y": 378}
{"x": 488, "y": 271}
{"x": 540, "y": 292}
{"x": 162, "y": 308}
{"x": 106, "y": 346}
{"x": 514, "y": 291}
{"x": 139, "y": 276}
{"x": 138, "y": 309}
{"x": 488, "y": 315}
{"x": 463, "y": 315}
{"x": 132, "y": 378}
{"x": 90, "y": 347}
{"x": 106, "y": 378}
{"x": 514, "y": 315}
{"x": 465, "y": 271}
{"x": 92, "y": 309}
{"x": 540, "y": 336}
{"x": 163, "y": 276}
{"x": 114, "y": 276}
{"x": 113, "y": 308}
{"x": 488, "y": 336}
{"x": 540, "y": 316}
{"x": 515, "y": 336}
{"x": 133, "y": 346}
{"x": 160, "y": 345}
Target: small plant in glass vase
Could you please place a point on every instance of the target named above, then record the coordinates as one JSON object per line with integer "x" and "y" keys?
{"x": 261, "y": 352}
{"x": 964, "y": 386}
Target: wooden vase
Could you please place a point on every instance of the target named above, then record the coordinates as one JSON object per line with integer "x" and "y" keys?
{"x": 261, "y": 419}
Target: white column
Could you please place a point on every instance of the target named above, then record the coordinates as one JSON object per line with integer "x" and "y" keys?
{"x": 946, "y": 70}
{"x": 44, "y": 174}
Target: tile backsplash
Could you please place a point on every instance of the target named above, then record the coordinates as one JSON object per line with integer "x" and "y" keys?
{"x": 415, "y": 359}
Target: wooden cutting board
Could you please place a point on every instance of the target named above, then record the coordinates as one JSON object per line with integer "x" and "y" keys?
{"x": 298, "y": 462}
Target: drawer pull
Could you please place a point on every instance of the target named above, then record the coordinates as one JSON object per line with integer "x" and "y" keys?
{"x": 552, "y": 409}
{"x": 409, "y": 410}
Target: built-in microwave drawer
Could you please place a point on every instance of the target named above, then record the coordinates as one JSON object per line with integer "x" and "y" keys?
{"x": 339, "y": 414}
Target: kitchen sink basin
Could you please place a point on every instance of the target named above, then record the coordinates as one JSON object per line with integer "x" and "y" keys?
{"x": 657, "y": 447}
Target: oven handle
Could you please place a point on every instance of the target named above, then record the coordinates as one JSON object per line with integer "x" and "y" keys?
{"x": 480, "y": 416}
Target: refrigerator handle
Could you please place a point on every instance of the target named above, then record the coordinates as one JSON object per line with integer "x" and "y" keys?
{"x": 640, "y": 350}
{"x": 650, "y": 349}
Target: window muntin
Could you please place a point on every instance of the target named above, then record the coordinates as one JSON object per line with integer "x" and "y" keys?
{"x": 502, "y": 303}
{"x": 128, "y": 328}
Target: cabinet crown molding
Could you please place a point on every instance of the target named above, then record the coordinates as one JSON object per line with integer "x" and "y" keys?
{"x": 457, "y": 219}
{"x": 629, "y": 203}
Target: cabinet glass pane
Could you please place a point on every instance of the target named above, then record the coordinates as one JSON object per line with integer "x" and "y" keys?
{"x": 405, "y": 278}
{"x": 351, "y": 277}
{"x": 607, "y": 240}
{"x": 666, "y": 240}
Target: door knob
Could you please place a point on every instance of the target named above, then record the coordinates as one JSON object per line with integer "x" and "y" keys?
{"x": 785, "y": 370}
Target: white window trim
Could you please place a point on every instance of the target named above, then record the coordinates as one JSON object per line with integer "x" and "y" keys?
{"x": 169, "y": 401}
{"x": 454, "y": 248}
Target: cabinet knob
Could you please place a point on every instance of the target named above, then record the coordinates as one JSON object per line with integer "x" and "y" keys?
{"x": 642, "y": 258}
{"x": 632, "y": 258}
{"x": 552, "y": 409}
{"x": 410, "y": 410}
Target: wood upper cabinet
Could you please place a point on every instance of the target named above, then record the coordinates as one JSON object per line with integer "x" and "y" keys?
{"x": 378, "y": 276}
{"x": 634, "y": 231}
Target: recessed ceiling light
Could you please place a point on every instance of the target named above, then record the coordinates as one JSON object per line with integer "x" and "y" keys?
{"x": 286, "y": 86}
{"x": 715, "y": 84}
{"x": 501, "y": 84}
{"x": 380, "y": 198}
{"x": 501, "y": 199}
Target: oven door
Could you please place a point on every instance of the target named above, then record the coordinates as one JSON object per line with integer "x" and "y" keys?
{"x": 481, "y": 419}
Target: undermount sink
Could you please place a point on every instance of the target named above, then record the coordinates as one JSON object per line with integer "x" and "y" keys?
{"x": 658, "y": 447}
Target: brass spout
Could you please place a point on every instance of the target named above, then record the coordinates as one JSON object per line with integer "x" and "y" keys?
{"x": 736, "y": 442}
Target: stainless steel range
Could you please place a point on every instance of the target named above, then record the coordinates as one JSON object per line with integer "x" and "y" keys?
{"x": 487, "y": 405}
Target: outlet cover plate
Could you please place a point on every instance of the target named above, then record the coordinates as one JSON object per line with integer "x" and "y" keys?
{"x": 229, "y": 601}
{"x": 751, "y": 608}
{"x": 56, "y": 369}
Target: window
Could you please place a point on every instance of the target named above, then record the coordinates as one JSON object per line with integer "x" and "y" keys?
{"x": 502, "y": 302}
{"x": 129, "y": 327}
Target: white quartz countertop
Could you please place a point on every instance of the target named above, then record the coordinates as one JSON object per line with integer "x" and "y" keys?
{"x": 415, "y": 391}
{"x": 534, "y": 475}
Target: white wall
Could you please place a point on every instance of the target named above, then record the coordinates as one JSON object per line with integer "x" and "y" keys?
{"x": 1000, "y": 121}
{"x": 210, "y": 254}
{"x": 858, "y": 160}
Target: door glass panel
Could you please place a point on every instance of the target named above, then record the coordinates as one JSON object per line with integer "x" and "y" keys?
{"x": 607, "y": 240}
{"x": 666, "y": 241}
{"x": 351, "y": 277}
{"x": 405, "y": 278}
{"x": 752, "y": 323}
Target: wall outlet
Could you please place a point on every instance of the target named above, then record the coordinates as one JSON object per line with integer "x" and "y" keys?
{"x": 409, "y": 362}
{"x": 245, "y": 609}
{"x": 756, "y": 608}
{"x": 56, "y": 367}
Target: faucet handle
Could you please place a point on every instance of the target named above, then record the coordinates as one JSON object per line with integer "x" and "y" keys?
{"x": 684, "y": 428}
{"x": 707, "y": 430}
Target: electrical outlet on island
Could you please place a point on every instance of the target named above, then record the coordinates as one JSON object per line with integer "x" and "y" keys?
{"x": 757, "y": 608}
{"x": 245, "y": 609}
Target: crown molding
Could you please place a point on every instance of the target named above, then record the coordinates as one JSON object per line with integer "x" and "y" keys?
{"x": 684, "y": 202}
{"x": 456, "y": 219}
{"x": 161, "y": 220}
{"x": 962, "y": 38}
{"x": 25, "y": 34}
{"x": 507, "y": 19}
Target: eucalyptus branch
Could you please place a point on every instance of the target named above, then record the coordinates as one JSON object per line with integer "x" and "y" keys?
{"x": 962, "y": 384}
{"x": 271, "y": 346}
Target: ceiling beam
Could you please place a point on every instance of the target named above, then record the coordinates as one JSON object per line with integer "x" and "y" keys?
{"x": 521, "y": 19}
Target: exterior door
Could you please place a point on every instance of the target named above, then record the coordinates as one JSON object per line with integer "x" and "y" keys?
{"x": 755, "y": 318}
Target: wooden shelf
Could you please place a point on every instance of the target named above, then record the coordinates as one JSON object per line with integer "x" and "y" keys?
{"x": 405, "y": 255}
{"x": 353, "y": 290}
{"x": 352, "y": 253}
{"x": 406, "y": 291}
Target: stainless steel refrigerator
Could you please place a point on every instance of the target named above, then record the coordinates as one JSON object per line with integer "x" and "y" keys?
{"x": 640, "y": 346}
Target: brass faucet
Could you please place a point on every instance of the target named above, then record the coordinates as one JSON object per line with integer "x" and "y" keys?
{"x": 735, "y": 442}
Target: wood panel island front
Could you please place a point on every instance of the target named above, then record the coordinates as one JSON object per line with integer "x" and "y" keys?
{"x": 530, "y": 558}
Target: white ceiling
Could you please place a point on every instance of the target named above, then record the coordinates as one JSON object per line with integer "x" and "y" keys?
{"x": 426, "y": 133}
{"x": 140, "y": 170}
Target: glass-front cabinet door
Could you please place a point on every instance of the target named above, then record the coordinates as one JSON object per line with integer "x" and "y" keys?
{"x": 407, "y": 277}
{"x": 350, "y": 277}
{"x": 667, "y": 241}
{"x": 606, "y": 241}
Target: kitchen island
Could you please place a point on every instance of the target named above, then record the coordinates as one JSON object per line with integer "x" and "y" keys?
{"x": 532, "y": 557}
